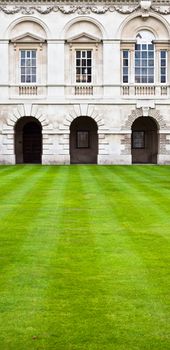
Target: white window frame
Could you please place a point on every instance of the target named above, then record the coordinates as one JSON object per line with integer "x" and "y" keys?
{"x": 25, "y": 67}
{"x": 124, "y": 66}
{"x": 165, "y": 67}
{"x": 144, "y": 38}
{"x": 92, "y": 66}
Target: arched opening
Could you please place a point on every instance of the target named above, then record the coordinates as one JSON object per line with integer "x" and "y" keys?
{"x": 144, "y": 141}
{"x": 83, "y": 141}
{"x": 28, "y": 141}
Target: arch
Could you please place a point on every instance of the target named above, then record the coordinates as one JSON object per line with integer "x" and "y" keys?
{"x": 86, "y": 110}
{"x": 72, "y": 22}
{"x": 144, "y": 141}
{"x": 134, "y": 23}
{"x": 13, "y": 24}
{"x": 139, "y": 112}
{"x": 83, "y": 141}
{"x": 28, "y": 141}
{"x": 23, "y": 110}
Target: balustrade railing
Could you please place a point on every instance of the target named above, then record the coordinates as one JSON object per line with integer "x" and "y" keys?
{"x": 83, "y": 90}
{"x": 28, "y": 90}
{"x": 145, "y": 90}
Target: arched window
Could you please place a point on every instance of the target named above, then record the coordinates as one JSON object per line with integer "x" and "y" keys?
{"x": 144, "y": 58}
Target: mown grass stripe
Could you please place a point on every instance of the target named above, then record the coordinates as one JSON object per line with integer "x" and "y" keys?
{"x": 82, "y": 277}
{"x": 141, "y": 281}
{"x": 32, "y": 262}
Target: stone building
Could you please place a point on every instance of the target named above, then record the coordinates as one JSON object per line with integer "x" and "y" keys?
{"x": 85, "y": 81}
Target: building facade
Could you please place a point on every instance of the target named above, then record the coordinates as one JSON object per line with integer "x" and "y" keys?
{"x": 85, "y": 82}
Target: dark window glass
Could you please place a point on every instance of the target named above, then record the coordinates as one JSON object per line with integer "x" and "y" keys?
{"x": 138, "y": 139}
{"x": 82, "y": 139}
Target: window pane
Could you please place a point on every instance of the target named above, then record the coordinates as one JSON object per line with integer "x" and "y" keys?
{"x": 33, "y": 62}
{"x": 150, "y": 54}
{"x": 163, "y": 62}
{"x": 28, "y": 79}
{"x": 125, "y": 54}
{"x": 151, "y": 63}
{"x": 163, "y": 79}
{"x": 137, "y": 63}
{"x": 150, "y": 79}
{"x": 137, "y": 54}
{"x": 144, "y": 63}
{"x": 125, "y": 71}
{"x": 144, "y": 54}
{"x": 137, "y": 71}
{"x": 144, "y": 46}
{"x": 137, "y": 47}
{"x": 163, "y": 71}
{"x": 89, "y": 79}
{"x": 34, "y": 79}
{"x": 138, "y": 139}
{"x": 22, "y": 54}
{"x": 125, "y": 62}
{"x": 163, "y": 54}
{"x": 137, "y": 79}
{"x": 78, "y": 54}
{"x": 34, "y": 70}
{"x": 82, "y": 139}
{"x": 34, "y": 54}
{"x": 22, "y": 62}
{"x": 125, "y": 79}
{"x": 22, "y": 78}
{"x": 151, "y": 47}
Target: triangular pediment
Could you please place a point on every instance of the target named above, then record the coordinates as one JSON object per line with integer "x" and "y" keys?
{"x": 83, "y": 38}
{"x": 27, "y": 38}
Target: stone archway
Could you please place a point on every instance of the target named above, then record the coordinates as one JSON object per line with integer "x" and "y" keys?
{"x": 83, "y": 141}
{"x": 22, "y": 110}
{"x": 28, "y": 141}
{"x": 144, "y": 143}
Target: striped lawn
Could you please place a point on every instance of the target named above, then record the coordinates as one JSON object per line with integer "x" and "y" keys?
{"x": 84, "y": 257}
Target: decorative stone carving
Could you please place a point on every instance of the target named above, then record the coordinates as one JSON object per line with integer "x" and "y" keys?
{"x": 69, "y": 9}
{"x": 163, "y": 10}
{"x": 125, "y": 9}
{"x": 86, "y": 7}
{"x": 145, "y": 7}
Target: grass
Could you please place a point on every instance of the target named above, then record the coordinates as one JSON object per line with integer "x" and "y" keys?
{"x": 84, "y": 257}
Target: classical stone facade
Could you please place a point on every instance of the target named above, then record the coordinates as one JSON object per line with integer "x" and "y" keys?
{"x": 85, "y": 81}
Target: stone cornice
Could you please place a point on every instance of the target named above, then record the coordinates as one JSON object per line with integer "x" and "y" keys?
{"x": 83, "y": 7}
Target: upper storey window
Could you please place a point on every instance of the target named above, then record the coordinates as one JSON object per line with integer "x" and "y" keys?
{"x": 144, "y": 58}
{"x": 83, "y": 66}
{"x": 28, "y": 66}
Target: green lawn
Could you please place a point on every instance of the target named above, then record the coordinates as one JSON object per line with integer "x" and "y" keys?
{"x": 84, "y": 257}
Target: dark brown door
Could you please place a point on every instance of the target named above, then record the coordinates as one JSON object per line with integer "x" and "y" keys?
{"x": 83, "y": 141}
{"x": 32, "y": 143}
{"x": 144, "y": 141}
